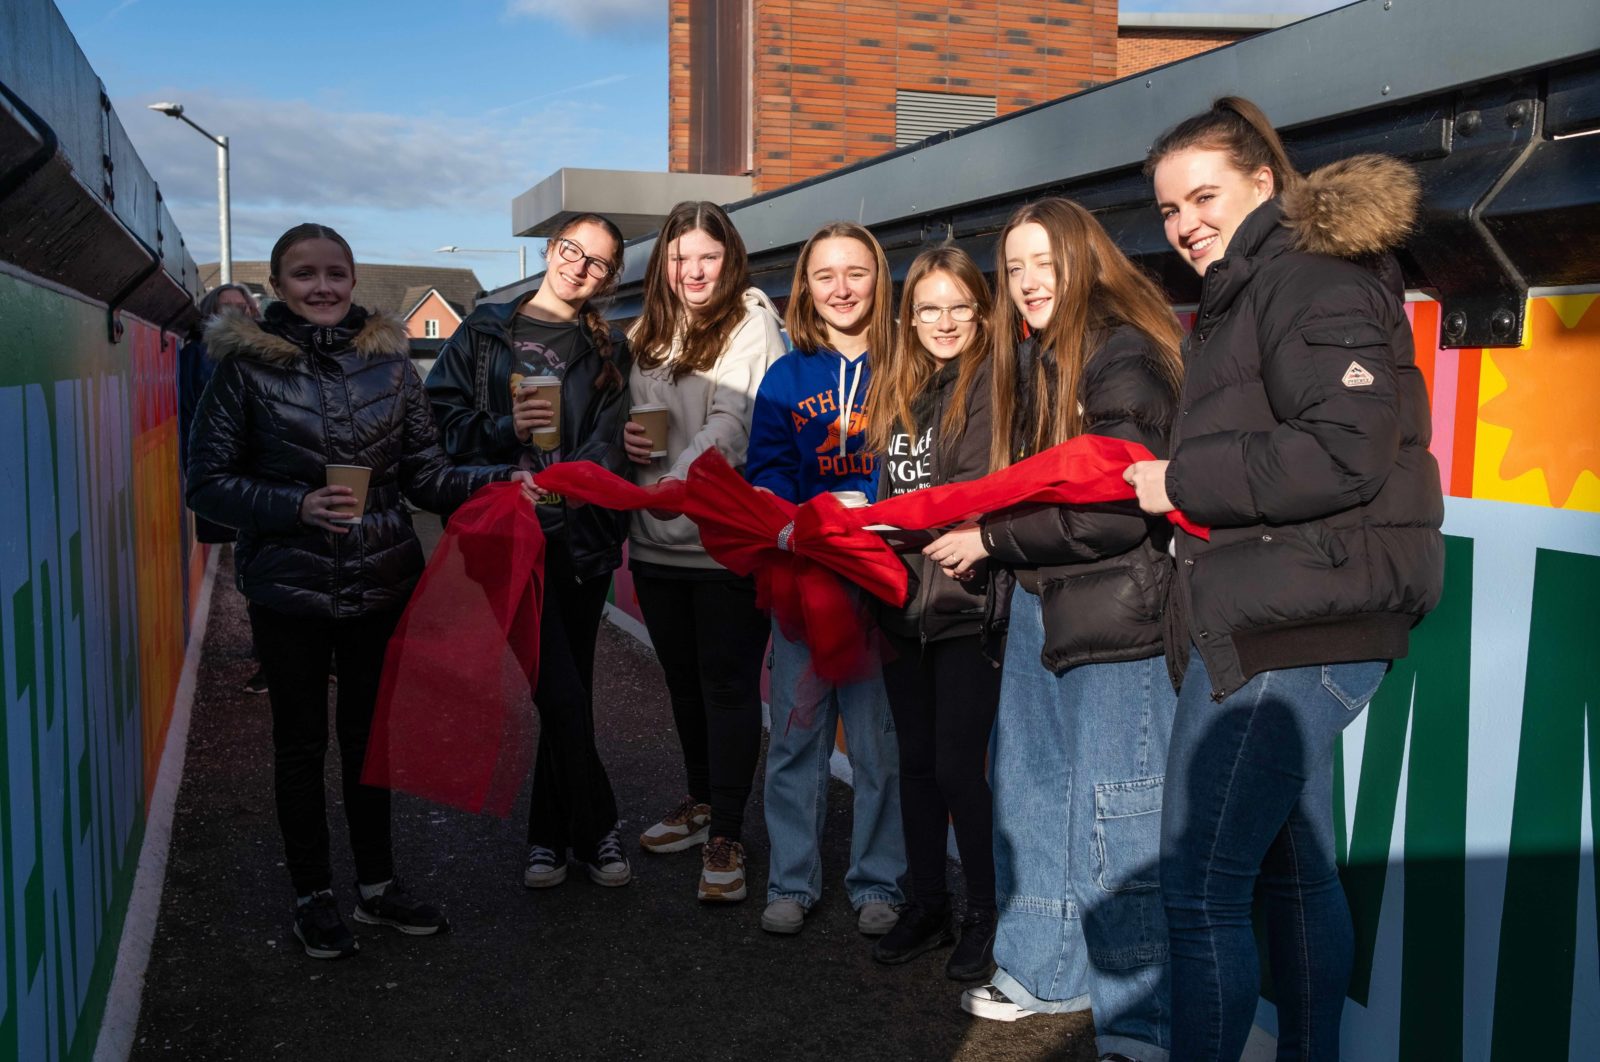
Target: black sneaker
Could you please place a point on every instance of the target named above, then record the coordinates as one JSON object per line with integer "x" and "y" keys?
{"x": 394, "y": 906}
{"x": 918, "y": 931}
{"x": 256, "y": 683}
{"x": 609, "y": 867}
{"x": 321, "y": 930}
{"x": 973, "y": 959}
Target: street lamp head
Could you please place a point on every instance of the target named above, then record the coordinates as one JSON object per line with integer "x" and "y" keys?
{"x": 171, "y": 110}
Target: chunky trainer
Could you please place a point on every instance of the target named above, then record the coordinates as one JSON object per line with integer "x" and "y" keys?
{"x": 722, "y": 871}
{"x": 918, "y": 932}
{"x": 973, "y": 959}
{"x": 876, "y": 918}
{"x": 609, "y": 866}
{"x": 397, "y": 908}
{"x": 783, "y": 917}
{"x": 989, "y": 1002}
{"x": 321, "y": 929}
{"x": 544, "y": 869}
{"x": 684, "y": 826}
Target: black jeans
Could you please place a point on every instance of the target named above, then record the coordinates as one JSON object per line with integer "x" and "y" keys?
{"x": 710, "y": 639}
{"x": 297, "y": 653}
{"x": 944, "y": 696}
{"x": 572, "y": 805}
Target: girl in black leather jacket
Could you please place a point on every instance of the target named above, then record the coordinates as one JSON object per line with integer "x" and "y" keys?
{"x": 320, "y": 381}
{"x": 557, "y": 331}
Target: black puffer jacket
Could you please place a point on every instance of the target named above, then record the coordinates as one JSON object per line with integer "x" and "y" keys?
{"x": 1102, "y": 576}
{"x": 1304, "y": 438}
{"x": 937, "y": 606}
{"x": 288, "y": 399}
{"x": 470, "y": 388}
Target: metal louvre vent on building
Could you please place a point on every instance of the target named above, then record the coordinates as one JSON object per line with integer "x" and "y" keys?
{"x": 919, "y": 115}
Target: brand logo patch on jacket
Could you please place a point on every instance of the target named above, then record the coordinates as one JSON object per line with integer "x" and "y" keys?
{"x": 1357, "y": 376}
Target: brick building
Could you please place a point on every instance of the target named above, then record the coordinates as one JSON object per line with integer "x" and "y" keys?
{"x": 1147, "y": 39}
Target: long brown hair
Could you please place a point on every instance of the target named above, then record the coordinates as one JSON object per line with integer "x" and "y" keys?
{"x": 704, "y": 335}
{"x": 895, "y": 385}
{"x": 807, "y": 331}
{"x": 1096, "y": 288}
{"x": 1237, "y": 127}
{"x": 609, "y": 378}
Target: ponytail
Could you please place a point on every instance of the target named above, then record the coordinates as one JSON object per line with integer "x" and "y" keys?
{"x": 609, "y": 378}
{"x": 1238, "y": 127}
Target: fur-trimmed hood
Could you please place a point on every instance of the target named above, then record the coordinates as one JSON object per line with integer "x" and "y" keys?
{"x": 231, "y": 335}
{"x": 1359, "y": 206}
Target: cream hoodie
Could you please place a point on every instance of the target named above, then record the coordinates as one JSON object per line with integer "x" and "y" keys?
{"x": 706, "y": 409}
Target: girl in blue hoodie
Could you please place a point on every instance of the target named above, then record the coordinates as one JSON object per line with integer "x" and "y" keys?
{"x": 808, "y": 435}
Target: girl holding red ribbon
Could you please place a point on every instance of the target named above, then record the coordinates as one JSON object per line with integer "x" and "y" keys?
{"x": 1085, "y": 703}
{"x": 807, "y": 437}
{"x": 703, "y": 343}
{"x": 929, "y": 425}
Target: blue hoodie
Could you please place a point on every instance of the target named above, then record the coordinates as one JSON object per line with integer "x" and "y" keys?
{"x": 794, "y": 434}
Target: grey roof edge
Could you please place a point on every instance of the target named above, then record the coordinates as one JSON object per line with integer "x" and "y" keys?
{"x": 1199, "y": 21}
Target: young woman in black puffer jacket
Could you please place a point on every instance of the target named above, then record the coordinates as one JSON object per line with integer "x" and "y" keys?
{"x": 929, "y": 425}
{"x": 318, "y": 382}
{"x": 1303, "y": 444}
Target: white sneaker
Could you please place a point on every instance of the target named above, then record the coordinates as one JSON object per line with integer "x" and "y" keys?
{"x": 783, "y": 917}
{"x": 989, "y": 1002}
{"x": 876, "y": 918}
{"x": 684, "y": 826}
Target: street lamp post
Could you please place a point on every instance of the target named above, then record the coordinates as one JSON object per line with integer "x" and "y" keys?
{"x": 224, "y": 209}
{"x": 521, "y": 252}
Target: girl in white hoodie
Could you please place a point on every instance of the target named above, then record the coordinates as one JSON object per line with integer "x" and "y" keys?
{"x": 702, "y": 345}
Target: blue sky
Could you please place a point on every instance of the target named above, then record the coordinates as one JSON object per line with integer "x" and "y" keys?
{"x": 405, "y": 125}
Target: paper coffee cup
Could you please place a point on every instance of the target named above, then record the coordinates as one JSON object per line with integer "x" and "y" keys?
{"x": 655, "y": 420}
{"x": 356, "y": 477}
{"x": 546, "y": 389}
{"x": 851, "y": 499}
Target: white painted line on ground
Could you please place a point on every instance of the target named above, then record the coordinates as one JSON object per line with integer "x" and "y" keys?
{"x": 121, "y": 1020}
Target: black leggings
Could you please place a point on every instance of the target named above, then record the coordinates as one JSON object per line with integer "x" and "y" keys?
{"x": 944, "y": 696}
{"x": 296, "y": 655}
{"x": 572, "y": 804}
{"x": 710, "y": 639}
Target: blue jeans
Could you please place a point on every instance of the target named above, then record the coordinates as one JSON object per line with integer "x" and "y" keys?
{"x": 797, "y": 785}
{"x": 1079, "y": 760}
{"x": 1250, "y": 793}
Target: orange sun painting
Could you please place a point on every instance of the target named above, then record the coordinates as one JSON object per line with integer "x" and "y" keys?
{"x": 1551, "y": 400}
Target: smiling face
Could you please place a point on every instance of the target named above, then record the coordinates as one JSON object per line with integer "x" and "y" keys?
{"x": 1031, "y": 273}
{"x": 1203, "y": 198}
{"x": 315, "y": 279}
{"x": 694, "y": 264}
{"x": 575, "y": 283}
{"x": 946, "y": 337}
{"x": 841, "y": 275}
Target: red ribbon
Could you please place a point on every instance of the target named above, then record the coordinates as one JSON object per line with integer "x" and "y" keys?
{"x": 453, "y": 721}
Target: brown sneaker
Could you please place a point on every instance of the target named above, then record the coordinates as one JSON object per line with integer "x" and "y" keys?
{"x": 722, "y": 871}
{"x": 685, "y": 826}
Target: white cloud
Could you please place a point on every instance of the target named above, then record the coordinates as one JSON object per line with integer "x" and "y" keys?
{"x": 626, "y": 18}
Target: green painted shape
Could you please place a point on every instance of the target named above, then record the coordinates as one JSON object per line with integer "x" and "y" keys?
{"x": 33, "y": 922}
{"x": 1538, "y": 930}
{"x": 23, "y": 631}
{"x": 1431, "y": 991}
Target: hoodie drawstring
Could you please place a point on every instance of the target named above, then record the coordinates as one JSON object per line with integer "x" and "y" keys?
{"x": 846, "y": 400}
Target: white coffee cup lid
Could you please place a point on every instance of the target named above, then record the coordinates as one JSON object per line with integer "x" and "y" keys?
{"x": 647, "y": 407}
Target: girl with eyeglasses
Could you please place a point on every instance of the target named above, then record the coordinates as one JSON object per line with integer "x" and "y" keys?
{"x": 808, "y": 435}
{"x": 928, "y": 422}
{"x": 1085, "y": 700}
{"x": 558, "y": 330}
{"x": 703, "y": 341}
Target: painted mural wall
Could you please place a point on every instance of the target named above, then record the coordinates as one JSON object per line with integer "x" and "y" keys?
{"x": 94, "y": 609}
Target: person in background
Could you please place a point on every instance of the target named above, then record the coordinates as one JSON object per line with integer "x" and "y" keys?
{"x": 195, "y": 367}
{"x": 557, "y": 330}
{"x": 702, "y": 344}
{"x": 1304, "y": 447}
{"x": 928, "y": 422}
{"x": 1086, "y": 703}
{"x": 321, "y": 381}
{"x": 808, "y": 435}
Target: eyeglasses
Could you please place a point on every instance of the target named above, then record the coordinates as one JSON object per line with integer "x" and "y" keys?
{"x": 961, "y": 312}
{"x": 572, "y": 252}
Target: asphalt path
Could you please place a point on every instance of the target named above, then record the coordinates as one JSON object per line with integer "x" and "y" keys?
{"x": 574, "y": 972}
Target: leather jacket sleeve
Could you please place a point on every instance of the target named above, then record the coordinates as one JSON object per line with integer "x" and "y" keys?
{"x": 427, "y": 475}
{"x": 470, "y": 435}
{"x": 604, "y": 445}
{"x": 222, "y": 488}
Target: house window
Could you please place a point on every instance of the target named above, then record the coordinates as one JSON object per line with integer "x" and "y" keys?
{"x": 919, "y": 115}
{"x": 430, "y": 328}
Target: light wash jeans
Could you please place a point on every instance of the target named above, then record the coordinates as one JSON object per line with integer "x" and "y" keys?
{"x": 1079, "y": 765}
{"x": 797, "y": 786}
{"x": 1251, "y": 795}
